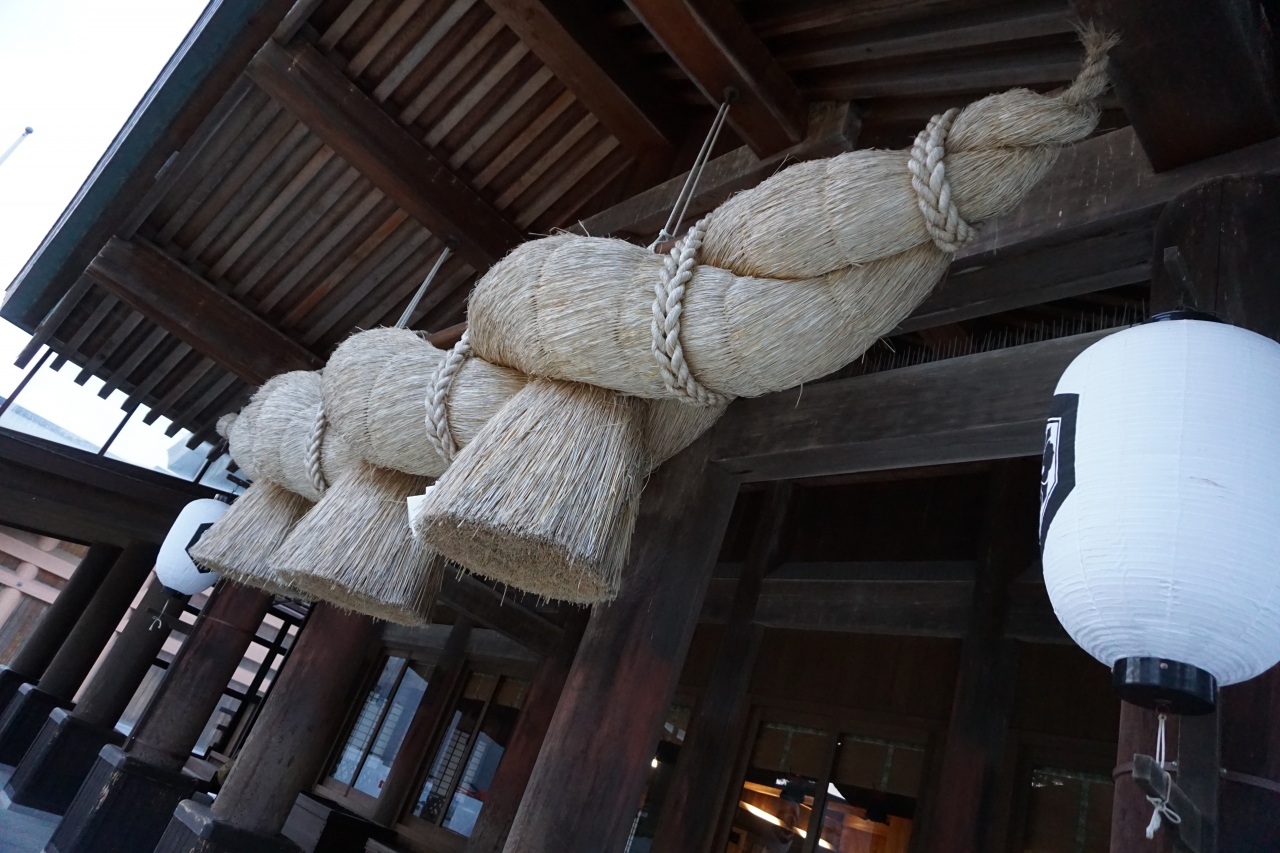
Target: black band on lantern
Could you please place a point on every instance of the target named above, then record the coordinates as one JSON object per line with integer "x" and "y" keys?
{"x": 1185, "y": 314}
{"x": 1165, "y": 685}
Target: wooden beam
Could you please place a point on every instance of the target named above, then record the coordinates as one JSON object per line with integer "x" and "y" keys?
{"x": 707, "y": 758}
{"x": 591, "y": 61}
{"x": 832, "y": 129}
{"x": 584, "y": 791}
{"x": 714, "y": 46}
{"x": 192, "y": 310}
{"x": 363, "y": 135}
{"x": 199, "y": 73}
{"x": 467, "y": 594}
{"x": 52, "y": 489}
{"x": 900, "y": 599}
{"x": 1173, "y": 64}
{"x": 982, "y": 27}
{"x": 987, "y": 406}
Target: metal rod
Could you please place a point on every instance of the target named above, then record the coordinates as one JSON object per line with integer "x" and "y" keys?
{"x": 102, "y": 451}
{"x": 8, "y": 401}
{"x": 213, "y": 456}
{"x": 14, "y": 147}
{"x": 422, "y": 288}
{"x": 695, "y": 171}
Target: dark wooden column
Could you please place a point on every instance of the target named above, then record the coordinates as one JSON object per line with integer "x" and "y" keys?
{"x": 56, "y": 623}
{"x": 1215, "y": 250}
{"x": 27, "y": 713}
{"x": 428, "y": 720}
{"x": 591, "y": 772}
{"x": 129, "y": 796}
{"x": 706, "y": 760}
{"x": 1130, "y": 811}
{"x": 964, "y": 800}
{"x": 510, "y": 782}
{"x": 50, "y": 773}
{"x": 288, "y": 745}
{"x": 1249, "y": 810}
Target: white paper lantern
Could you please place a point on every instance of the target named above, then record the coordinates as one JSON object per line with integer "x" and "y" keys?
{"x": 1160, "y": 502}
{"x": 174, "y": 565}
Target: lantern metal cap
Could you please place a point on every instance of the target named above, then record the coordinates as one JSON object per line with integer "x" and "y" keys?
{"x": 1165, "y": 685}
{"x": 1185, "y": 314}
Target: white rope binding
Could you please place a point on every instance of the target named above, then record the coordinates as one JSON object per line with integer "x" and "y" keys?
{"x": 1161, "y": 804}
{"x": 315, "y": 444}
{"x": 438, "y": 430}
{"x": 668, "y": 305}
{"x": 933, "y": 192}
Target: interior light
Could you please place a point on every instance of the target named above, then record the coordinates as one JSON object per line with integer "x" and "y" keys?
{"x": 763, "y": 815}
{"x": 654, "y": 764}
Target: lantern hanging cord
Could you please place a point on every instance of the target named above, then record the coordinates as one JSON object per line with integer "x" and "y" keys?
{"x": 685, "y": 196}
{"x": 1161, "y": 804}
{"x": 422, "y": 288}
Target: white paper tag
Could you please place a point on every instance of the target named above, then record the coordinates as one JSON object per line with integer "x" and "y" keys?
{"x": 414, "y": 505}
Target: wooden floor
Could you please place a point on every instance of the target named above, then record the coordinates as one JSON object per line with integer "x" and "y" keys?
{"x": 23, "y": 833}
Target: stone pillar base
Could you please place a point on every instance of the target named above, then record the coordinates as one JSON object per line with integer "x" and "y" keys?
{"x": 10, "y": 681}
{"x": 22, "y": 721}
{"x": 123, "y": 806}
{"x": 64, "y": 752}
{"x": 195, "y": 829}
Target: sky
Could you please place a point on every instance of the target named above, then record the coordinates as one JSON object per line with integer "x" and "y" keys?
{"x": 73, "y": 70}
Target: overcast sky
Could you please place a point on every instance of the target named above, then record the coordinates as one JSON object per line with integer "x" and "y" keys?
{"x": 73, "y": 70}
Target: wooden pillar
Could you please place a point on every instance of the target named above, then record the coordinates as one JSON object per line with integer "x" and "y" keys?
{"x": 1215, "y": 251}
{"x": 286, "y": 750}
{"x": 56, "y": 623}
{"x": 130, "y": 794}
{"x": 50, "y": 773}
{"x": 428, "y": 720}
{"x": 1130, "y": 811}
{"x": 964, "y": 800}
{"x": 706, "y": 761}
{"x": 509, "y": 783}
{"x": 1249, "y": 807}
{"x": 587, "y": 783}
{"x": 27, "y": 713}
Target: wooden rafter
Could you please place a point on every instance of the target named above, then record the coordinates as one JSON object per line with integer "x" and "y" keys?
{"x": 466, "y": 594}
{"x": 194, "y": 311}
{"x": 714, "y": 46}
{"x": 590, "y": 60}
{"x": 1196, "y": 82}
{"x": 355, "y": 127}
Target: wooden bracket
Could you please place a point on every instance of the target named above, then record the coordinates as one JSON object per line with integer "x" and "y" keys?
{"x": 1195, "y": 834}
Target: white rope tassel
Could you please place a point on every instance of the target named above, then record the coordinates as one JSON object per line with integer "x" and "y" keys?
{"x": 933, "y": 192}
{"x": 668, "y": 305}
{"x": 438, "y": 430}
{"x": 315, "y": 444}
{"x": 1161, "y": 804}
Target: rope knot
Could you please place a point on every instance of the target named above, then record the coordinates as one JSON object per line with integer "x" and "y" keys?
{"x": 668, "y": 306}
{"x": 438, "y": 429}
{"x": 933, "y": 191}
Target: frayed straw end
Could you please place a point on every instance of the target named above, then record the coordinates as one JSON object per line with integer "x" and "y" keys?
{"x": 354, "y": 549}
{"x": 239, "y": 546}
{"x": 1092, "y": 82}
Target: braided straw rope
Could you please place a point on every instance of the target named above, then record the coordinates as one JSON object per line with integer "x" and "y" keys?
{"x": 668, "y": 305}
{"x": 315, "y": 443}
{"x": 933, "y": 191}
{"x": 438, "y": 431}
